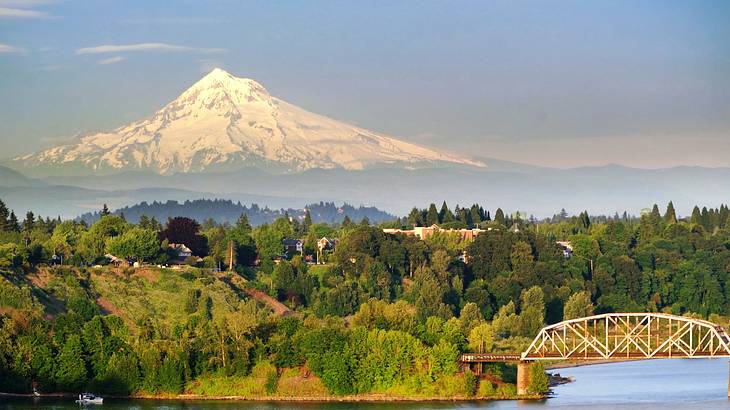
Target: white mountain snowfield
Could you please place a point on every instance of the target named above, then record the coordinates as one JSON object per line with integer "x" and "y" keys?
{"x": 226, "y": 121}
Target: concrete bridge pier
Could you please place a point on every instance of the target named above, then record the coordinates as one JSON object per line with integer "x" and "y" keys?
{"x": 523, "y": 378}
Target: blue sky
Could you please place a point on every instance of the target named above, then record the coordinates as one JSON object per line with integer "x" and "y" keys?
{"x": 565, "y": 83}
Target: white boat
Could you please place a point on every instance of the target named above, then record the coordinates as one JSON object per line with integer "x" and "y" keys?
{"x": 88, "y": 398}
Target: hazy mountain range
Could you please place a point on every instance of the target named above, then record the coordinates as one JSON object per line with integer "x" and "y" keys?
{"x": 226, "y": 137}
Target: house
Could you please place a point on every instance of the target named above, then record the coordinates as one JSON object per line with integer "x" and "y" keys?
{"x": 183, "y": 253}
{"x": 324, "y": 244}
{"x": 116, "y": 261}
{"x": 425, "y": 232}
{"x": 293, "y": 245}
{"x": 182, "y": 250}
{"x": 567, "y": 248}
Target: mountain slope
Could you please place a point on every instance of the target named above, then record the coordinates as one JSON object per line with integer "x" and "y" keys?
{"x": 11, "y": 178}
{"x": 225, "y": 122}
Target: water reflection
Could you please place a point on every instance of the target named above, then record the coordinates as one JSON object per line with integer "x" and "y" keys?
{"x": 646, "y": 385}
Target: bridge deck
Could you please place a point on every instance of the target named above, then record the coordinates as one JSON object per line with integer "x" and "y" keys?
{"x": 489, "y": 357}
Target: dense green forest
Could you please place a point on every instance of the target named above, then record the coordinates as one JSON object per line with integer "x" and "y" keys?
{"x": 387, "y": 313}
{"x": 225, "y": 211}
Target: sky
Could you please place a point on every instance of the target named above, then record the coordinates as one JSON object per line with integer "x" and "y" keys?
{"x": 555, "y": 83}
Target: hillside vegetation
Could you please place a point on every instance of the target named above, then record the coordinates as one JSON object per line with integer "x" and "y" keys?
{"x": 386, "y": 316}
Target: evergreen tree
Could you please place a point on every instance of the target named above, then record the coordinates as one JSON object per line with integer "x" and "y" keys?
{"x": 724, "y": 216}
{"x": 144, "y": 222}
{"x": 499, "y": 217}
{"x": 476, "y": 216}
{"x": 307, "y": 221}
{"x": 584, "y": 219}
{"x": 155, "y": 225}
{"x": 346, "y": 222}
{"x": 705, "y": 218}
{"x": 696, "y": 218}
{"x": 244, "y": 226}
{"x": 105, "y": 211}
{"x": 432, "y": 217}
{"x": 414, "y": 217}
{"x": 670, "y": 215}
{"x": 71, "y": 368}
{"x": 13, "y": 224}
{"x": 4, "y": 215}
{"x": 445, "y": 214}
{"x": 29, "y": 222}
{"x": 655, "y": 211}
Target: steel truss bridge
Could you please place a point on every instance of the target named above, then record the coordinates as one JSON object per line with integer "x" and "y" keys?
{"x": 615, "y": 336}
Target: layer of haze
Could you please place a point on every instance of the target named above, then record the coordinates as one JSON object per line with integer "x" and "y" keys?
{"x": 570, "y": 83}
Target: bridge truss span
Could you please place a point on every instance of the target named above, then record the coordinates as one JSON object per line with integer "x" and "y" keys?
{"x": 629, "y": 336}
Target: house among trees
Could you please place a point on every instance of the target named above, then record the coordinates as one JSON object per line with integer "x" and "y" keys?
{"x": 293, "y": 245}
{"x": 324, "y": 244}
{"x": 116, "y": 261}
{"x": 425, "y": 232}
{"x": 567, "y": 248}
{"x": 184, "y": 255}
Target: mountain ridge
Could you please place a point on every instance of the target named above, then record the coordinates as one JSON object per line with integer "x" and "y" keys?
{"x": 226, "y": 122}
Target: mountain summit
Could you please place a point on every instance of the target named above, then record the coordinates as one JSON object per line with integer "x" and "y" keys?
{"x": 225, "y": 122}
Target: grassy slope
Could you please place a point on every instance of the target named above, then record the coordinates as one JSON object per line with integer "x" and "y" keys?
{"x": 161, "y": 295}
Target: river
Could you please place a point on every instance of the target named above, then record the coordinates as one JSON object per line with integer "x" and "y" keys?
{"x": 646, "y": 385}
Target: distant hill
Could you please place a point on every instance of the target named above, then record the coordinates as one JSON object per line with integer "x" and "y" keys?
{"x": 227, "y": 211}
{"x": 11, "y": 178}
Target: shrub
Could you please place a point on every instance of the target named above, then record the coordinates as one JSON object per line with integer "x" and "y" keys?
{"x": 486, "y": 389}
{"x": 539, "y": 382}
{"x": 470, "y": 383}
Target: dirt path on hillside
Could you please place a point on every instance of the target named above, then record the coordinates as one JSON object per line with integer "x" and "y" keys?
{"x": 240, "y": 283}
{"x": 279, "y": 308}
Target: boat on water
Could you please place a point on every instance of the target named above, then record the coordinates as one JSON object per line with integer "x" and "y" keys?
{"x": 88, "y": 398}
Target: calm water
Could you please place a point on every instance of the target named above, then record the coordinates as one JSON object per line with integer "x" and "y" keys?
{"x": 648, "y": 385}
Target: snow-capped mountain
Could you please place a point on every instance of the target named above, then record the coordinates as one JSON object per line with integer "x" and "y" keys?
{"x": 226, "y": 121}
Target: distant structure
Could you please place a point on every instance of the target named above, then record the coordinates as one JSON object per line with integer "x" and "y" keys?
{"x": 425, "y": 232}
{"x": 293, "y": 245}
{"x": 184, "y": 255}
{"x": 324, "y": 244}
{"x": 567, "y": 248}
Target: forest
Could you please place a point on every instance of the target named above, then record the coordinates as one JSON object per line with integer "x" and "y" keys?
{"x": 225, "y": 211}
{"x": 384, "y": 314}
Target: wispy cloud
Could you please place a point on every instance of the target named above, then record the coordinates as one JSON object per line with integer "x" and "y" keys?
{"x": 120, "y": 48}
{"x": 25, "y": 3}
{"x": 4, "y": 48}
{"x": 7, "y": 12}
{"x": 112, "y": 60}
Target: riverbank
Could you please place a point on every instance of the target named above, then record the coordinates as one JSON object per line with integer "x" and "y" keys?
{"x": 367, "y": 398}
{"x": 569, "y": 364}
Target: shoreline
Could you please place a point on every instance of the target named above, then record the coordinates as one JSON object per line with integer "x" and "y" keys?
{"x": 375, "y": 398}
{"x": 567, "y": 365}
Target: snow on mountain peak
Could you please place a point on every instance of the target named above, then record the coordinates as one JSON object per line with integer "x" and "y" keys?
{"x": 227, "y": 121}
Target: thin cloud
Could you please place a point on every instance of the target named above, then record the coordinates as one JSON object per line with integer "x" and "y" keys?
{"x": 112, "y": 60}
{"x": 121, "y": 48}
{"x": 26, "y": 3}
{"x": 7, "y": 12}
{"x": 4, "y": 48}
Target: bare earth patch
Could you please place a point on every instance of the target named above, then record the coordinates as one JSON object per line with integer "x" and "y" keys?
{"x": 107, "y": 307}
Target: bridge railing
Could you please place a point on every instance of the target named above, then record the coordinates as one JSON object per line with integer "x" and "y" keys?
{"x": 629, "y": 336}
